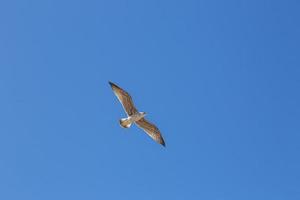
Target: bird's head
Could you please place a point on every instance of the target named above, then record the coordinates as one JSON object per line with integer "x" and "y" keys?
{"x": 143, "y": 113}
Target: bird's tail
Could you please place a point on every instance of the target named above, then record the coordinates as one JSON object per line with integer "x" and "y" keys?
{"x": 125, "y": 123}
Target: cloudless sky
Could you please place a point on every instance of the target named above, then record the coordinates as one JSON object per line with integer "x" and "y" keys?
{"x": 220, "y": 79}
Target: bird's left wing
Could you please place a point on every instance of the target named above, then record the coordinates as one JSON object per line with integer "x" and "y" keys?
{"x": 124, "y": 98}
{"x": 151, "y": 130}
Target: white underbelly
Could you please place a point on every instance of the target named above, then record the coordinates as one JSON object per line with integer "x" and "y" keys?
{"x": 135, "y": 117}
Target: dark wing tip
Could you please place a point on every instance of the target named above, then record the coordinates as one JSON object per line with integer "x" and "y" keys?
{"x": 111, "y": 83}
{"x": 163, "y": 143}
{"x": 114, "y": 85}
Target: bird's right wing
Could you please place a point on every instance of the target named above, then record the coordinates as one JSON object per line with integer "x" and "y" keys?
{"x": 151, "y": 130}
{"x": 124, "y": 98}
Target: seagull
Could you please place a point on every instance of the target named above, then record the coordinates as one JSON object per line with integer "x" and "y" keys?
{"x": 134, "y": 116}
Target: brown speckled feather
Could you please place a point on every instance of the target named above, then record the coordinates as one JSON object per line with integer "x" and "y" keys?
{"x": 151, "y": 130}
{"x": 124, "y": 98}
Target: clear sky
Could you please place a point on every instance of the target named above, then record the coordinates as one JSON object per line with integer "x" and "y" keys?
{"x": 220, "y": 79}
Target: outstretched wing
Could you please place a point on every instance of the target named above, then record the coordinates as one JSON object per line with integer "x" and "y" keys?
{"x": 124, "y": 98}
{"x": 151, "y": 130}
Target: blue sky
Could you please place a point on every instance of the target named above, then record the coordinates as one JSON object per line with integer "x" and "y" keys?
{"x": 220, "y": 79}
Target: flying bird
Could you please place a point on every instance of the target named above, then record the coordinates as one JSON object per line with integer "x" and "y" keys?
{"x": 134, "y": 116}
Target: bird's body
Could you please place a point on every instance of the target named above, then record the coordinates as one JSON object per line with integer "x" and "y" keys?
{"x": 134, "y": 116}
{"x": 126, "y": 122}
